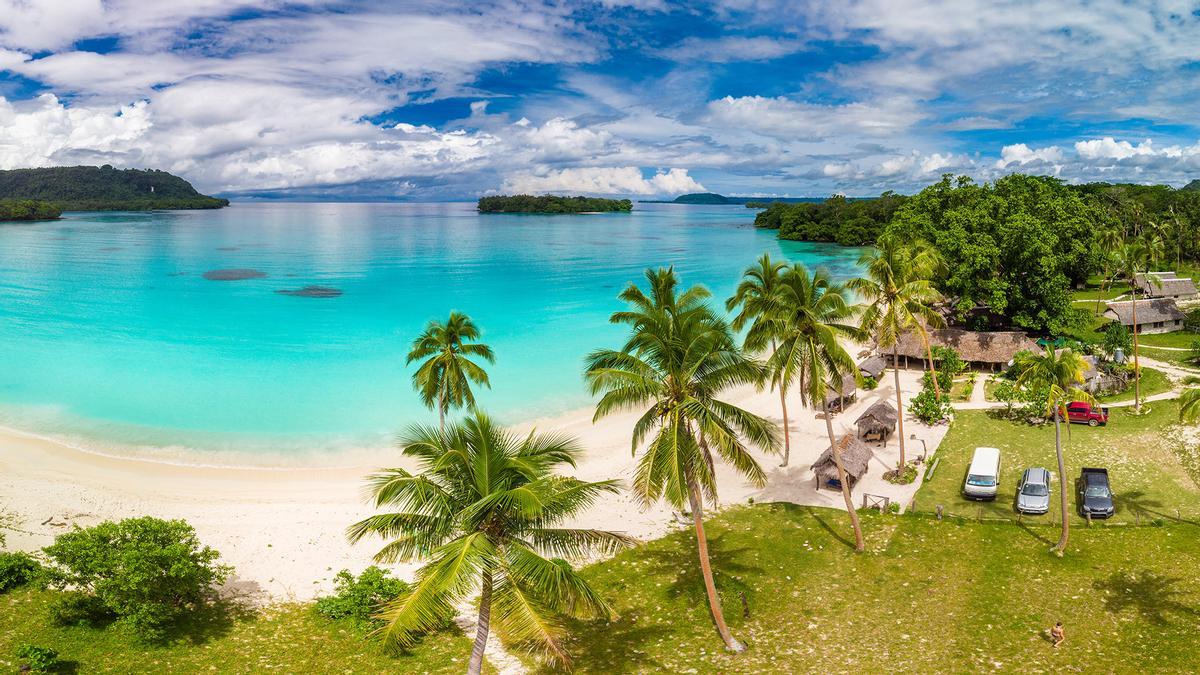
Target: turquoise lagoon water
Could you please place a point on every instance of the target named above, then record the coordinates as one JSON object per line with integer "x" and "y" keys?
{"x": 112, "y": 336}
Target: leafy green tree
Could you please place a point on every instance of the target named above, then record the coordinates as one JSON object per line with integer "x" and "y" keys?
{"x": 444, "y": 378}
{"x": 759, "y": 295}
{"x": 817, "y": 314}
{"x": 899, "y": 295}
{"x": 483, "y": 512}
{"x": 146, "y": 571}
{"x": 1109, "y": 240}
{"x": 1060, "y": 373}
{"x": 1116, "y": 336}
{"x": 1018, "y": 246}
{"x": 17, "y": 569}
{"x": 678, "y": 358}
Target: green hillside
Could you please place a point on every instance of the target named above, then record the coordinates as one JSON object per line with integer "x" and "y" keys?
{"x": 103, "y": 188}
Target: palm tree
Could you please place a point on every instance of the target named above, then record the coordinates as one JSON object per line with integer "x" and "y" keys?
{"x": 817, "y": 314}
{"x": 678, "y": 358}
{"x": 1061, "y": 373}
{"x": 483, "y": 512}
{"x": 899, "y": 296}
{"x": 444, "y": 379}
{"x": 1189, "y": 405}
{"x": 1134, "y": 259}
{"x": 1111, "y": 239}
{"x": 758, "y": 295}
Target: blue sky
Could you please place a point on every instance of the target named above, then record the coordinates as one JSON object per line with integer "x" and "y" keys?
{"x": 450, "y": 100}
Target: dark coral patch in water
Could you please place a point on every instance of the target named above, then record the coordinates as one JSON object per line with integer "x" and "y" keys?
{"x": 237, "y": 274}
{"x": 312, "y": 292}
{"x": 108, "y": 249}
{"x": 227, "y": 248}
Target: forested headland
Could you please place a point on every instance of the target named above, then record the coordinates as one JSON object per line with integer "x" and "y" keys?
{"x": 1016, "y": 247}
{"x": 27, "y": 209}
{"x": 104, "y": 188}
{"x": 550, "y": 204}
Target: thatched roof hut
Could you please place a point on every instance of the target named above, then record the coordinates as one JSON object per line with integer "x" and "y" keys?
{"x": 836, "y": 400}
{"x": 872, "y": 366}
{"x": 980, "y": 348}
{"x": 1159, "y": 315}
{"x": 1165, "y": 285}
{"x": 855, "y": 456}
{"x": 878, "y": 422}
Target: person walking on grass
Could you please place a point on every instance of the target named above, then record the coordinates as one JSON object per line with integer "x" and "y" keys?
{"x": 1057, "y": 634}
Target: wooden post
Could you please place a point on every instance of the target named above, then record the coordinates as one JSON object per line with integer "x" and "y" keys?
{"x": 939, "y": 511}
{"x": 979, "y": 513}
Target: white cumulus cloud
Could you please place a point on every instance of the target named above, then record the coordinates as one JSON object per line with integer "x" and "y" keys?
{"x": 603, "y": 180}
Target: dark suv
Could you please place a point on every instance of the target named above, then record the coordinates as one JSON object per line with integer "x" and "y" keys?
{"x": 1095, "y": 497}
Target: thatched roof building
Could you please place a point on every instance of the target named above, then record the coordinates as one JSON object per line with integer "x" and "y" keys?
{"x": 836, "y": 400}
{"x": 979, "y": 348}
{"x": 1165, "y": 285}
{"x": 877, "y": 422}
{"x": 855, "y": 456}
{"x": 1158, "y": 315}
{"x": 872, "y": 366}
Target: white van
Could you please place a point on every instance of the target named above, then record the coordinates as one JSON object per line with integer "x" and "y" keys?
{"x": 984, "y": 475}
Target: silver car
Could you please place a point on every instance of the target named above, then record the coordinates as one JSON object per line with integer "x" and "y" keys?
{"x": 1033, "y": 492}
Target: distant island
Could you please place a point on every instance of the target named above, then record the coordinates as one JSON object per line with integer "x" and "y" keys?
{"x": 550, "y": 204}
{"x": 103, "y": 188}
{"x": 712, "y": 198}
{"x": 27, "y": 209}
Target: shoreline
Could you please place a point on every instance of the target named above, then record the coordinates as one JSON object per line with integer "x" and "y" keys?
{"x": 282, "y": 527}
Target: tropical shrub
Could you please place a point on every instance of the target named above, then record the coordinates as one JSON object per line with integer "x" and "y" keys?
{"x": 358, "y": 599}
{"x": 870, "y": 383}
{"x": 948, "y": 361}
{"x": 17, "y": 569}
{"x": 902, "y": 477}
{"x": 147, "y": 572}
{"x": 945, "y": 380}
{"x": 1191, "y": 322}
{"x": 39, "y": 659}
{"x": 1117, "y": 336}
{"x": 927, "y": 407}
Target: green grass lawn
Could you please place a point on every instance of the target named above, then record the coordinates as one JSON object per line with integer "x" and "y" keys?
{"x": 1153, "y": 382}
{"x": 961, "y": 390}
{"x": 1181, "y": 338}
{"x": 1092, "y": 292}
{"x": 926, "y": 597}
{"x": 1178, "y": 358}
{"x": 289, "y": 639}
{"x": 1143, "y": 464}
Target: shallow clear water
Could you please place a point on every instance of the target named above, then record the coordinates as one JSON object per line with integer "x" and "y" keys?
{"x": 112, "y": 335}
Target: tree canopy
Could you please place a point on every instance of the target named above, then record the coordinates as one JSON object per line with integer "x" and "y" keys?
{"x": 1014, "y": 248}
{"x": 27, "y": 209}
{"x": 550, "y": 204}
{"x": 850, "y": 222}
{"x": 103, "y": 188}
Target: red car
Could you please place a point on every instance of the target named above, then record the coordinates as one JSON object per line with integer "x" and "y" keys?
{"x": 1081, "y": 412}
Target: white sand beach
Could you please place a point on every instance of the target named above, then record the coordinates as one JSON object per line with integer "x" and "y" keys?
{"x": 282, "y": 528}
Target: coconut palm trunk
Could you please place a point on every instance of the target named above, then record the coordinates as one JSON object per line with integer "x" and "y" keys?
{"x": 859, "y": 545}
{"x": 475, "y": 666}
{"x": 899, "y": 403}
{"x": 710, "y": 587}
{"x": 937, "y": 388}
{"x": 787, "y": 434}
{"x": 1137, "y": 368}
{"x": 1061, "y": 546}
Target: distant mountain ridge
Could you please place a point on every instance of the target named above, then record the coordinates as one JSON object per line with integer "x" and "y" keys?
{"x": 104, "y": 188}
{"x": 1193, "y": 186}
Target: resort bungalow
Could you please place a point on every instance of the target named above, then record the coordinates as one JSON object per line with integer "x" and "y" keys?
{"x": 1166, "y": 285}
{"x": 872, "y": 367}
{"x": 877, "y": 423}
{"x": 855, "y": 456}
{"x": 982, "y": 350}
{"x": 1158, "y": 315}
{"x": 836, "y": 400}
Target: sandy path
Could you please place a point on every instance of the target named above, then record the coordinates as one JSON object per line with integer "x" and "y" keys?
{"x": 282, "y": 528}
